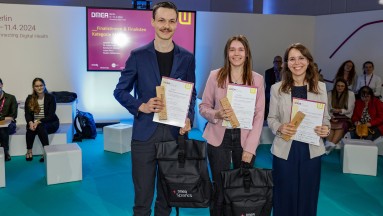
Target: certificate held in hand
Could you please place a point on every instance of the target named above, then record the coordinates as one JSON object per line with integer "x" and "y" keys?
{"x": 176, "y": 95}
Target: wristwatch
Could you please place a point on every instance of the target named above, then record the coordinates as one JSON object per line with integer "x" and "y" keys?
{"x": 279, "y": 133}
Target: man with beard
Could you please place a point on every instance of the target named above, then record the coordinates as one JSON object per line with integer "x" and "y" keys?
{"x": 143, "y": 70}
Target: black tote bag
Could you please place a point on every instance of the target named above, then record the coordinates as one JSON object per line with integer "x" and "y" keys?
{"x": 247, "y": 191}
{"x": 183, "y": 172}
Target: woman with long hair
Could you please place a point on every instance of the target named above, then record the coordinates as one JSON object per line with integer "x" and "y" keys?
{"x": 40, "y": 115}
{"x": 226, "y": 144}
{"x": 296, "y": 164}
{"x": 341, "y": 103}
{"x": 347, "y": 72}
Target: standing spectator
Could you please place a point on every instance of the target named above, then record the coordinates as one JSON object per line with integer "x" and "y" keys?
{"x": 8, "y": 114}
{"x": 40, "y": 115}
{"x": 296, "y": 165}
{"x": 144, "y": 69}
{"x": 341, "y": 103}
{"x": 368, "y": 78}
{"x": 272, "y": 75}
{"x": 226, "y": 144}
{"x": 347, "y": 72}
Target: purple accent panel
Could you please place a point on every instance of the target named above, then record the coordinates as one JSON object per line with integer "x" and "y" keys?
{"x": 360, "y": 27}
{"x": 113, "y": 33}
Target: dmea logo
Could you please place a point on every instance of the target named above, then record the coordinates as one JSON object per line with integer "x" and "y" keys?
{"x": 99, "y": 15}
{"x": 253, "y": 90}
{"x": 248, "y": 214}
{"x": 185, "y": 18}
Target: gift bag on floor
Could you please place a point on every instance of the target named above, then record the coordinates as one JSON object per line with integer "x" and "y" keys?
{"x": 247, "y": 191}
{"x": 183, "y": 172}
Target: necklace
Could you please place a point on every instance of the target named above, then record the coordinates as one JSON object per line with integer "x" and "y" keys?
{"x": 236, "y": 80}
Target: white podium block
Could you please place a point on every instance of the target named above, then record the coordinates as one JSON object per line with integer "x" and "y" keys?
{"x": 63, "y": 163}
{"x": 359, "y": 157}
{"x": 117, "y": 138}
{"x": 2, "y": 168}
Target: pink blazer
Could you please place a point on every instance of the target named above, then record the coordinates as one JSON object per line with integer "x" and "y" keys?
{"x": 214, "y": 131}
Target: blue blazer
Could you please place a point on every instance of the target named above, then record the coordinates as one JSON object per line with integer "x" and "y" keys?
{"x": 142, "y": 72}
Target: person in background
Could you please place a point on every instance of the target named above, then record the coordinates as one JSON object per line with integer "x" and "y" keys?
{"x": 144, "y": 69}
{"x": 296, "y": 165}
{"x": 347, "y": 72}
{"x": 8, "y": 115}
{"x": 341, "y": 103}
{"x": 370, "y": 79}
{"x": 368, "y": 110}
{"x": 226, "y": 144}
{"x": 40, "y": 115}
{"x": 272, "y": 75}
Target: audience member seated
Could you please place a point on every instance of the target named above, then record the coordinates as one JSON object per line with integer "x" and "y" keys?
{"x": 347, "y": 72}
{"x": 341, "y": 102}
{"x": 370, "y": 79}
{"x": 272, "y": 75}
{"x": 368, "y": 112}
{"x": 8, "y": 114}
{"x": 40, "y": 115}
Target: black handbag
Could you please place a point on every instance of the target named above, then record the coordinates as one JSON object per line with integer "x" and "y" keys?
{"x": 248, "y": 191}
{"x": 183, "y": 173}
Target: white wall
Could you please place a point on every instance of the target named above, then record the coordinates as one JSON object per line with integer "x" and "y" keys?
{"x": 364, "y": 45}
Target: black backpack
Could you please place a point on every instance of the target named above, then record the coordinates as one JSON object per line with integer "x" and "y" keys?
{"x": 183, "y": 173}
{"x": 85, "y": 126}
{"x": 64, "y": 96}
{"x": 248, "y": 191}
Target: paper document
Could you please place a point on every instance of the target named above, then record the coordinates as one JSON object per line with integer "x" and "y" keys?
{"x": 242, "y": 99}
{"x": 178, "y": 95}
{"x": 314, "y": 112}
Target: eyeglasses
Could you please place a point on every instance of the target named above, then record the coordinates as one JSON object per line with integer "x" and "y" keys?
{"x": 300, "y": 59}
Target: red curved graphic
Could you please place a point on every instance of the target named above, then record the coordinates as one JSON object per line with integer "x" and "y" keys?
{"x": 360, "y": 27}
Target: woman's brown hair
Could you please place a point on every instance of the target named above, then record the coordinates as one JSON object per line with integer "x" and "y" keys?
{"x": 33, "y": 103}
{"x": 225, "y": 71}
{"x": 339, "y": 101}
{"x": 312, "y": 76}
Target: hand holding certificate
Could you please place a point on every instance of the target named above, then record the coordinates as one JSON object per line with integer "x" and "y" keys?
{"x": 313, "y": 112}
{"x": 242, "y": 100}
{"x": 177, "y": 94}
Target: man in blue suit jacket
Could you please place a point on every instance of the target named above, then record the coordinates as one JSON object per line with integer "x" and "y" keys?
{"x": 143, "y": 70}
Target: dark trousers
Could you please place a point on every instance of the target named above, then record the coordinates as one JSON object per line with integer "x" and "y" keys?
{"x": 296, "y": 182}
{"x": 220, "y": 159}
{"x": 42, "y": 131}
{"x": 4, "y": 135}
{"x": 144, "y": 167}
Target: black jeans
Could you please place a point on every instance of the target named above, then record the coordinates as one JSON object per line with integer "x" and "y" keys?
{"x": 4, "y": 135}
{"x": 144, "y": 168}
{"x": 220, "y": 159}
{"x": 42, "y": 131}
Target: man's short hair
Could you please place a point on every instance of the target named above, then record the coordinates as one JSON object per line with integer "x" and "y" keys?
{"x": 167, "y": 4}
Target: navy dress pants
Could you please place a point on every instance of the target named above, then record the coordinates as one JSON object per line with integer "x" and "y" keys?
{"x": 296, "y": 182}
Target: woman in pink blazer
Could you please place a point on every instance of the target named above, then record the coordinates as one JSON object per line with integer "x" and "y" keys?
{"x": 226, "y": 144}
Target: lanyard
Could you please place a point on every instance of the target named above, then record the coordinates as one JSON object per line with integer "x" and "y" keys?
{"x": 2, "y": 104}
{"x": 365, "y": 81}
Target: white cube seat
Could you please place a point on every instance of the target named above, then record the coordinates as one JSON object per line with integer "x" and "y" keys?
{"x": 63, "y": 163}
{"x": 2, "y": 168}
{"x": 117, "y": 138}
{"x": 359, "y": 157}
{"x": 379, "y": 144}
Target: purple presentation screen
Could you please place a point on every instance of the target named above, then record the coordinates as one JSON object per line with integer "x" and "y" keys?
{"x": 113, "y": 33}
